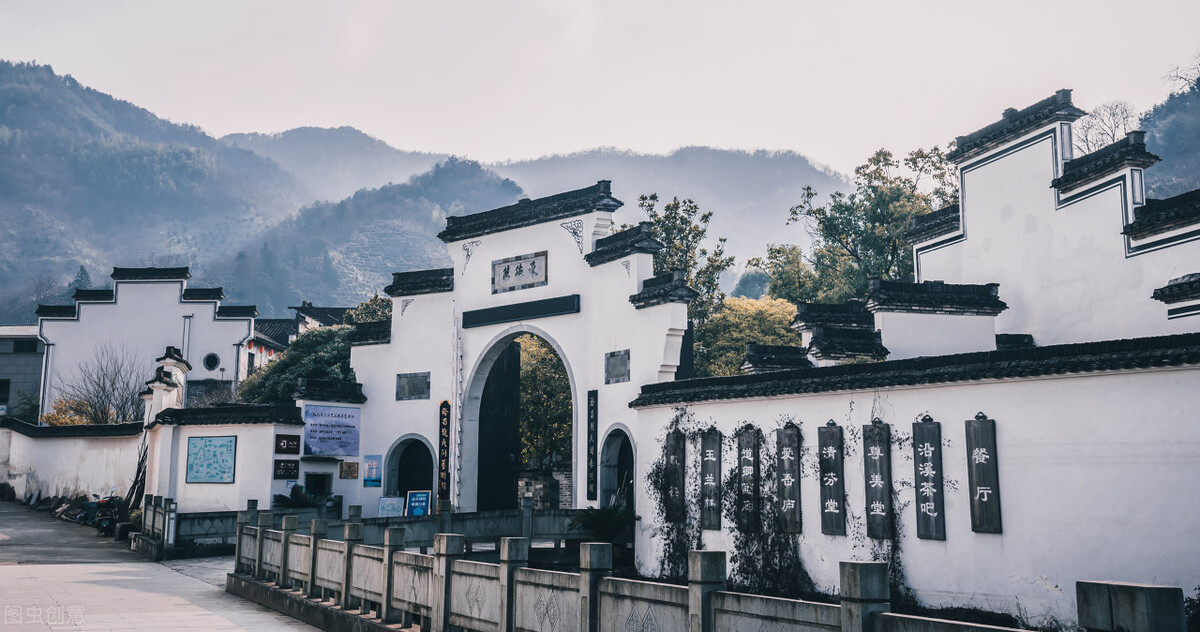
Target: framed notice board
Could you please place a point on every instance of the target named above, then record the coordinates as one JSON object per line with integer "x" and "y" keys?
{"x": 211, "y": 459}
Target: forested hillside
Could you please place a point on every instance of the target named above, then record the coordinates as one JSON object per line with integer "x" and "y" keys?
{"x": 1173, "y": 132}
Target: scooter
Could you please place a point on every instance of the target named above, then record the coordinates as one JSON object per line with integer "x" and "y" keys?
{"x": 106, "y": 514}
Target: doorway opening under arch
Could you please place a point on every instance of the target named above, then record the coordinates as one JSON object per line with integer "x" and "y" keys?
{"x": 616, "y": 470}
{"x": 409, "y": 468}
{"x": 524, "y": 425}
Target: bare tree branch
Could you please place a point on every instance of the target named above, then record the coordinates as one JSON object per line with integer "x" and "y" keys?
{"x": 104, "y": 389}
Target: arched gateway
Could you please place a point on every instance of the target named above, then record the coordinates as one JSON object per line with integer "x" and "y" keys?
{"x": 550, "y": 267}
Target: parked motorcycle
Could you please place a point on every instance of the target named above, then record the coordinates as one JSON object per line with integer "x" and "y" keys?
{"x": 106, "y": 514}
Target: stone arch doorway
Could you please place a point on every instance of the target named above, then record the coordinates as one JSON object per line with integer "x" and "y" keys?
{"x": 409, "y": 468}
{"x": 492, "y": 447}
{"x": 617, "y": 470}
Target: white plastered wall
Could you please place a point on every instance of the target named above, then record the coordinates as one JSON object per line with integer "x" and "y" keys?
{"x": 1097, "y": 474}
{"x": 1062, "y": 267}
{"x": 67, "y": 466}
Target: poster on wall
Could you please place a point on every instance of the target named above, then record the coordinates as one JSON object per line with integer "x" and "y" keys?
{"x": 286, "y": 469}
{"x": 348, "y": 469}
{"x": 372, "y": 470}
{"x": 418, "y": 503}
{"x": 211, "y": 459}
{"x": 331, "y": 430}
{"x": 391, "y": 506}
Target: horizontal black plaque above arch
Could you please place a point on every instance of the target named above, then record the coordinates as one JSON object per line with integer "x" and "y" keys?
{"x": 544, "y": 308}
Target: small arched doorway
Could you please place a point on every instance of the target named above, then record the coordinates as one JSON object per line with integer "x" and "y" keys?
{"x": 616, "y": 470}
{"x": 409, "y": 468}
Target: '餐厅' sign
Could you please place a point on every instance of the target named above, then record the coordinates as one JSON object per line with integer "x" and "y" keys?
{"x": 331, "y": 430}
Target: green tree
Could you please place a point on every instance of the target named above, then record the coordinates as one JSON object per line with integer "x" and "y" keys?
{"x": 545, "y": 417}
{"x": 682, "y": 227}
{"x": 741, "y": 320}
{"x": 82, "y": 280}
{"x": 860, "y": 235}
{"x": 372, "y": 311}
{"x": 317, "y": 354}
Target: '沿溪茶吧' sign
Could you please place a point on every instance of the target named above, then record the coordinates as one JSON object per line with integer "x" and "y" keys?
{"x": 331, "y": 430}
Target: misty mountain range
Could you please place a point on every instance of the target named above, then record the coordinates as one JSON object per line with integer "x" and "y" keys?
{"x": 326, "y": 215}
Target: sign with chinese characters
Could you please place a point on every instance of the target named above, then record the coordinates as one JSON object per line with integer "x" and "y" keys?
{"x": 286, "y": 470}
{"x": 833, "y": 484}
{"x": 443, "y": 492}
{"x": 418, "y": 503}
{"x": 519, "y": 273}
{"x": 674, "y": 452}
{"x": 211, "y": 459}
{"x": 983, "y": 477}
{"x": 348, "y": 469}
{"x": 372, "y": 470}
{"x": 593, "y": 433}
{"x": 331, "y": 430}
{"x": 927, "y": 459}
{"x": 787, "y": 476}
{"x": 287, "y": 444}
{"x": 710, "y": 479}
{"x": 749, "y": 519}
{"x": 877, "y": 472}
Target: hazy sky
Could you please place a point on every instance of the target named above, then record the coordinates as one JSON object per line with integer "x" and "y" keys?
{"x": 496, "y": 79}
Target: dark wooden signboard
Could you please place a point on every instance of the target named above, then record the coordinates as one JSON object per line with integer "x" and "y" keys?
{"x": 710, "y": 479}
{"x": 286, "y": 469}
{"x": 927, "y": 461}
{"x": 287, "y": 444}
{"x": 877, "y": 473}
{"x": 833, "y": 484}
{"x": 983, "y": 476}
{"x": 749, "y": 512}
{"x": 443, "y": 482}
{"x": 787, "y": 477}
{"x": 673, "y": 471}
{"x": 593, "y": 431}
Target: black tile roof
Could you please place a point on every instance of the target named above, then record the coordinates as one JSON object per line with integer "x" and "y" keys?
{"x": 223, "y": 414}
{"x": 842, "y": 343}
{"x": 935, "y": 297}
{"x": 329, "y": 391}
{"x": 762, "y": 358}
{"x": 175, "y": 355}
{"x": 1160, "y": 216}
{"x": 530, "y": 212}
{"x": 86, "y": 430}
{"x": 237, "y": 311}
{"x": 151, "y": 274}
{"x": 55, "y": 311}
{"x": 638, "y": 238}
{"x": 665, "y": 288}
{"x": 204, "y": 294}
{"x": 852, "y": 313}
{"x": 1110, "y": 355}
{"x": 1184, "y": 288}
{"x": 372, "y": 333}
{"x": 931, "y": 225}
{"x": 1127, "y": 152}
{"x": 1005, "y": 342}
{"x": 162, "y": 377}
{"x": 276, "y": 330}
{"x": 421, "y": 282}
{"x": 325, "y": 315}
{"x": 93, "y": 295}
{"x": 1015, "y": 123}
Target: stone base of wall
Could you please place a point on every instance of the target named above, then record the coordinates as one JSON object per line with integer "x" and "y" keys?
{"x": 293, "y": 604}
{"x": 154, "y": 550}
{"x": 147, "y": 547}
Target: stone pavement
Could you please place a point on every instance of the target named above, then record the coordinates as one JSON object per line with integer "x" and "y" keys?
{"x": 59, "y": 576}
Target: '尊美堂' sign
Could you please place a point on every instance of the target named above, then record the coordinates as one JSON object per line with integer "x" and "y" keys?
{"x": 331, "y": 430}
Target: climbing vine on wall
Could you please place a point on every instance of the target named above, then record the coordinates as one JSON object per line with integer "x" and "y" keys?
{"x": 677, "y": 537}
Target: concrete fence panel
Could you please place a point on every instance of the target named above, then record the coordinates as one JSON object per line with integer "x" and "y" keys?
{"x": 331, "y": 561}
{"x": 890, "y": 622}
{"x": 475, "y": 595}
{"x": 367, "y": 580}
{"x": 299, "y": 557}
{"x": 272, "y": 560}
{"x": 546, "y": 600}
{"x": 411, "y": 579}
{"x": 248, "y": 547}
{"x": 737, "y": 611}
{"x": 628, "y": 605}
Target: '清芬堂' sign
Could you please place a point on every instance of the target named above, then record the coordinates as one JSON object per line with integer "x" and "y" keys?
{"x": 833, "y": 487}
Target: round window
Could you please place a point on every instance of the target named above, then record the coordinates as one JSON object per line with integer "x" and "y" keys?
{"x": 212, "y": 361}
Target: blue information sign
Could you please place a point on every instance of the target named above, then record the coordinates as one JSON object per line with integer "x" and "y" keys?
{"x": 418, "y": 503}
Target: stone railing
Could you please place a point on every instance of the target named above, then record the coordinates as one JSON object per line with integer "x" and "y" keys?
{"x": 345, "y": 584}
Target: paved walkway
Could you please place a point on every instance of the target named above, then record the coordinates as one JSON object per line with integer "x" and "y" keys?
{"x": 59, "y": 576}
